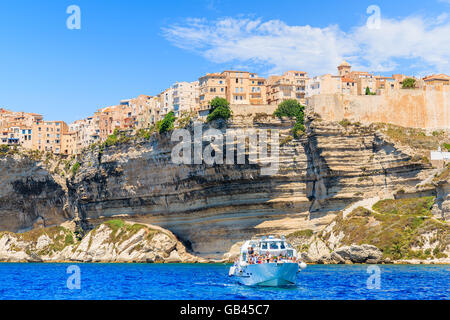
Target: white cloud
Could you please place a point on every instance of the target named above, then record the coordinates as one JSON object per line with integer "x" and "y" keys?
{"x": 280, "y": 47}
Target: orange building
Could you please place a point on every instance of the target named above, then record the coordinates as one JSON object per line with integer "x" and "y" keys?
{"x": 291, "y": 85}
{"x": 47, "y": 136}
{"x": 210, "y": 86}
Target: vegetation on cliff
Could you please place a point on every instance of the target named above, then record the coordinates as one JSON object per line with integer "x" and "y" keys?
{"x": 220, "y": 109}
{"x": 166, "y": 124}
{"x": 402, "y": 229}
{"x": 409, "y": 83}
{"x": 112, "y": 241}
{"x": 293, "y": 110}
{"x": 420, "y": 141}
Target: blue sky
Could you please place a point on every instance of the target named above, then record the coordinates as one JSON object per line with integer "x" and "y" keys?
{"x": 127, "y": 48}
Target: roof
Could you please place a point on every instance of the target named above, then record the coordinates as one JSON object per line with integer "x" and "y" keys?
{"x": 346, "y": 79}
{"x": 344, "y": 64}
{"x": 440, "y": 76}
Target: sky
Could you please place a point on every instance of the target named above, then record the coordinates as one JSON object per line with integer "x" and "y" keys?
{"x": 127, "y": 48}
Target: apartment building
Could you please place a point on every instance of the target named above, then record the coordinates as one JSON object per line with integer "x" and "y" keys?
{"x": 69, "y": 143}
{"x": 291, "y": 85}
{"x": 82, "y": 133}
{"x": 139, "y": 112}
{"x": 47, "y": 136}
{"x": 326, "y": 84}
{"x": 210, "y": 86}
{"x": 185, "y": 97}
{"x": 386, "y": 84}
{"x": 166, "y": 102}
{"x": 16, "y": 127}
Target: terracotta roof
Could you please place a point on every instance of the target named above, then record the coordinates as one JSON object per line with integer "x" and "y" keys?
{"x": 441, "y": 76}
{"x": 346, "y": 79}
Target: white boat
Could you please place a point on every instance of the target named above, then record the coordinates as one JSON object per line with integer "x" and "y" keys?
{"x": 257, "y": 269}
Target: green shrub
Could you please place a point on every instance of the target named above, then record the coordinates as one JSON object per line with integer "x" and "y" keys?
{"x": 218, "y": 102}
{"x": 219, "y": 113}
{"x": 167, "y": 123}
{"x": 410, "y": 206}
{"x": 409, "y": 83}
{"x": 446, "y": 146}
{"x": 4, "y": 148}
{"x": 286, "y": 140}
{"x": 298, "y": 130}
{"x": 292, "y": 109}
{"x": 345, "y": 123}
{"x": 220, "y": 109}
{"x": 75, "y": 168}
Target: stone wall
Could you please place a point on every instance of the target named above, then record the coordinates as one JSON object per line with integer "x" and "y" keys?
{"x": 246, "y": 109}
{"x": 426, "y": 108}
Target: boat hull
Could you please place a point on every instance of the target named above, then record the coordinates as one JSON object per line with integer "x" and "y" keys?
{"x": 268, "y": 274}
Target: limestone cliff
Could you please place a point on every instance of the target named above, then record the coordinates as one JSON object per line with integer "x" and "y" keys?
{"x": 209, "y": 208}
{"x": 389, "y": 230}
{"x": 30, "y": 195}
{"x": 113, "y": 241}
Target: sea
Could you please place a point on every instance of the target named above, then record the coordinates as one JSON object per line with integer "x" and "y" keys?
{"x": 211, "y": 282}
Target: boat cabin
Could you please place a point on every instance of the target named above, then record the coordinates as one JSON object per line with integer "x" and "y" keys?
{"x": 268, "y": 245}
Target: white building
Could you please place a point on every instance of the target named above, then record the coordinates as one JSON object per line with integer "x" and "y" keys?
{"x": 185, "y": 96}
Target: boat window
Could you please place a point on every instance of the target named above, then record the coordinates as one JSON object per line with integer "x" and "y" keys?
{"x": 264, "y": 246}
{"x": 282, "y": 246}
{"x": 273, "y": 245}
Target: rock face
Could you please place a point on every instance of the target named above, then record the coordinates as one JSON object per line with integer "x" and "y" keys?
{"x": 212, "y": 207}
{"x": 115, "y": 241}
{"x": 391, "y": 230}
{"x": 358, "y": 254}
{"x": 30, "y": 196}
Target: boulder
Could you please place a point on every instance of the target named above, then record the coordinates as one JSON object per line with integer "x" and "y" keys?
{"x": 357, "y": 254}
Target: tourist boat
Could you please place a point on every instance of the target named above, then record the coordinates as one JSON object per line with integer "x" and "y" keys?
{"x": 268, "y": 261}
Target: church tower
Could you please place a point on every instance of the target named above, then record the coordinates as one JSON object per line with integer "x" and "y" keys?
{"x": 344, "y": 69}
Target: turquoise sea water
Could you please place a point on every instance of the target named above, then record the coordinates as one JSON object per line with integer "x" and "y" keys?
{"x": 183, "y": 281}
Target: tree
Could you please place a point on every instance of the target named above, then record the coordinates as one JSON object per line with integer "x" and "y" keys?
{"x": 409, "y": 83}
{"x": 290, "y": 108}
{"x": 367, "y": 91}
{"x": 167, "y": 123}
{"x": 218, "y": 102}
{"x": 293, "y": 109}
{"x": 220, "y": 109}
